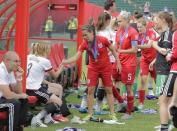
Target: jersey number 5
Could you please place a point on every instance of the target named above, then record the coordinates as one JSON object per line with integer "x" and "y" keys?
{"x": 129, "y": 76}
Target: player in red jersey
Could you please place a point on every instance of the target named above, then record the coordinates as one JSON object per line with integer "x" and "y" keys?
{"x": 127, "y": 41}
{"x": 172, "y": 56}
{"x": 99, "y": 66}
{"x": 148, "y": 54}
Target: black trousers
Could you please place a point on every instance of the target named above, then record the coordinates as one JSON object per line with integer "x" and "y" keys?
{"x": 20, "y": 110}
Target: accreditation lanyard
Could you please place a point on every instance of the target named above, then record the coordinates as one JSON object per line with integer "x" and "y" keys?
{"x": 123, "y": 36}
{"x": 94, "y": 50}
{"x": 143, "y": 40}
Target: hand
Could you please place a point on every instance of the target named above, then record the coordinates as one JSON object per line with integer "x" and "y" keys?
{"x": 119, "y": 67}
{"x": 163, "y": 51}
{"x": 19, "y": 74}
{"x": 168, "y": 57}
{"x": 63, "y": 62}
{"x": 23, "y": 96}
{"x": 151, "y": 66}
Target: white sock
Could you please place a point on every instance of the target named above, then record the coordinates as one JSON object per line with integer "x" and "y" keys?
{"x": 41, "y": 114}
{"x": 84, "y": 101}
{"x": 98, "y": 105}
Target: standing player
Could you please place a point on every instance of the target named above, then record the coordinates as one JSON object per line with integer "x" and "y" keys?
{"x": 103, "y": 30}
{"x": 127, "y": 41}
{"x": 164, "y": 24}
{"x": 99, "y": 66}
{"x": 148, "y": 54}
{"x": 172, "y": 57}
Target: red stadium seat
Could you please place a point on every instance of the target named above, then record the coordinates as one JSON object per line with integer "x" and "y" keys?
{"x": 3, "y": 115}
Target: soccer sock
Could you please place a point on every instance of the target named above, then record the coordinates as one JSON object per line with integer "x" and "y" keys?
{"x": 84, "y": 101}
{"x": 41, "y": 114}
{"x": 130, "y": 104}
{"x": 117, "y": 94}
{"x": 150, "y": 84}
{"x": 98, "y": 105}
{"x": 141, "y": 96}
{"x": 164, "y": 127}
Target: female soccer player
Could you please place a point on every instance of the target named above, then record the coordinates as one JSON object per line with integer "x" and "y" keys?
{"x": 148, "y": 54}
{"x": 127, "y": 41}
{"x": 99, "y": 66}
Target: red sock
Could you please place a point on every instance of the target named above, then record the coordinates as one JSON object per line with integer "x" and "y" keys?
{"x": 117, "y": 95}
{"x": 130, "y": 104}
{"x": 141, "y": 96}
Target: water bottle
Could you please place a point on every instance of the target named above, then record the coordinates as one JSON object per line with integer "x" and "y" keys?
{"x": 96, "y": 119}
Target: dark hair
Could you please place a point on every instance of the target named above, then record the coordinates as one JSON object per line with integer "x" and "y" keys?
{"x": 137, "y": 15}
{"x": 102, "y": 18}
{"x": 108, "y": 4}
{"x": 90, "y": 27}
{"x": 168, "y": 18}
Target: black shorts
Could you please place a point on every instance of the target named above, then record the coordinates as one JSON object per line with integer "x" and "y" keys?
{"x": 42, "y": 93}
{"x": 168, "y": 86}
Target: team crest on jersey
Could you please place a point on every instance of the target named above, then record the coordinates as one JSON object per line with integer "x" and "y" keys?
{"x": 136, "y": 37}
{"x": 100, "y": 45}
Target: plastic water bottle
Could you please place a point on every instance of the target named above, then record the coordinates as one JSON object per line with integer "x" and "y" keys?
{"x": 96, "y": 119}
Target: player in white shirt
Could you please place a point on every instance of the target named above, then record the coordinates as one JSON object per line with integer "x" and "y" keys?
{"x": 37, "y": 66}
{"x": 11, "y": 95}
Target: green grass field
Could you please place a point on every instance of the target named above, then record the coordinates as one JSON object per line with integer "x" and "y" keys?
{"x": 140, "y": 122}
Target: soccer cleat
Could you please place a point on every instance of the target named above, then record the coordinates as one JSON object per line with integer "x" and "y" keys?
{"x": 121, "y": 106}
{"x": 101, "y": 112}
{"x": 49, "y": 120}
{"x": 60, "y": 118}
{"x": 37, "y": 123}
{"x": 105, "y": 107}
{"x": 151, "y": 93}
{"x": 83, "y": 110}
{"x": 157, "y": 128}
{"x": 140, "y": 107}
{"x": 126, "y": 117}
{"x": 113, "y": 117}
{"x": 87, "y": 118}
{"x": 77, "y": 120}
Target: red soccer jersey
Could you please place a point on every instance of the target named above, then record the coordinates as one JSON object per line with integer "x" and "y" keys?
{"x": 174, "y": 53}
{"x": 102, "y": 58}
{"x": 124, "y": 39}
{"x": 149, "y": 53}
{"x": 150, "y": 25}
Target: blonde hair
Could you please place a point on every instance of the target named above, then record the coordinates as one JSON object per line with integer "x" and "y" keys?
{"x": 42, "y": 49}
{"x": 33, "y": 48}
{"x": 125, "y": 14}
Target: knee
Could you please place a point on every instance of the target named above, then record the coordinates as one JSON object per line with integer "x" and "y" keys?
{"x": 56, "y": 100}
{"x": 108, "y": 91}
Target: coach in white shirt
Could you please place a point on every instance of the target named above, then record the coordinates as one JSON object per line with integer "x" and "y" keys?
{"x": 11, "y": 95}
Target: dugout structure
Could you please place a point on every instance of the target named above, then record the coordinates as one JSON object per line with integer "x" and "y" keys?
{"x": 20, "y": 23}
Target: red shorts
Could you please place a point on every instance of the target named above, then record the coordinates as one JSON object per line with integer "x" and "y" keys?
{"x": 115, "y": 73}
{"x": 128, "y": 74}
{"x": 95, "y": 73}
{"x": 144, "y": 69}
